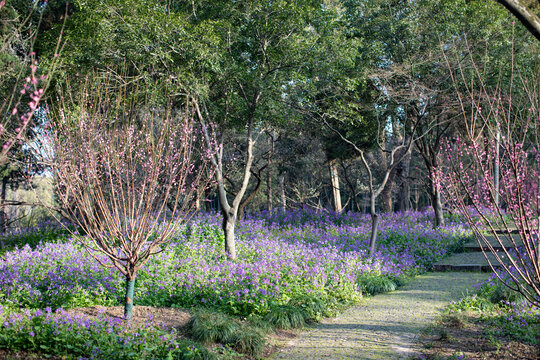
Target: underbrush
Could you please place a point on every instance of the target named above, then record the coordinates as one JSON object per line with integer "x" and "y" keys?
{"x": 286, "y": 275}
{"x": 491, "y": 322}
{"x": 82, "y": 337}
{"x": 505, "y": 312}
{"x": 48, "y": 232}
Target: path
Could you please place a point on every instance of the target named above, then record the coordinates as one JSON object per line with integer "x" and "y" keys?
{"x": 385, "y": 326}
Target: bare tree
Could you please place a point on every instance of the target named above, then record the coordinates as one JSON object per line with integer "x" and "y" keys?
{"x": 396, "y": 154}
{"x": 117, "y": 169}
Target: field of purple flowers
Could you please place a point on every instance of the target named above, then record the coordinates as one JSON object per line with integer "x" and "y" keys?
{"x": 282, "y": 256}
{"x": 293, "y": 258}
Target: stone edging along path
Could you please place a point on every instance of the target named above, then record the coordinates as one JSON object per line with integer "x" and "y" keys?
{"x": 384, "y": 326}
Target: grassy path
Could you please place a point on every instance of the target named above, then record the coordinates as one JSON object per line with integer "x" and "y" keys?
{"x": 385, "y": 326}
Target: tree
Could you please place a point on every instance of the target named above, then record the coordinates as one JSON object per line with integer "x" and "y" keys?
{"x": 117, "y": 170}
{"x": 22, "y": 81}
{"x": 264, "y": 46}
{"x": 408, "y": 67}
{"x": 527, "y": 12}
{"x": 511, "y": 111}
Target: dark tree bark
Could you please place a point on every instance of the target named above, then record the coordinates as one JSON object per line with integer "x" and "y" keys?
{"x": 387, "y": 204}
{"x": 402, "y": 174}
{"x": 3, "y": 197}
{"x": 269, "y": 192}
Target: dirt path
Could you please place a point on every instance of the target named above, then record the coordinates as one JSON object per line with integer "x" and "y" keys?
{"x": 385, "y": 326}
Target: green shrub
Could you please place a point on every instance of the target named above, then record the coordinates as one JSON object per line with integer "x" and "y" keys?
{"x": 314, "y": 308}
{"x": 373, "y": 284}
{"x": 286, "y": 317}
{"x": 471, "y": 303}
{"x": 249, "y": 340}
{"x": 214, "y": 327}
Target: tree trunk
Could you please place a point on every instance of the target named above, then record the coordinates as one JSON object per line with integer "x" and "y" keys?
{"x": 269, "y": 194}
{"x": 282, "y": 196}
{"x": 437, "y": 207}
{"x": 3, "y": 214}
{"x": 269, "y": 190}
{"x": 230, "y": 210}
{"x": 404, "y": 194}
{"x": 228, "y": 225}
{"x": 435, "y": 194}
{"x": 496, "y": 169}
{"x": 386, "y": 195}
{"x": 334, "y": 177}
{"x": 374, "y": 225}
{"x": 130, "y": 291}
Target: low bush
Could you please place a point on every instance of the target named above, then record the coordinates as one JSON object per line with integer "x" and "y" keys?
{"x": 286, "y": 317}
{"x": 503, "y": 310}
{"x": 373, "y": 284}
{"x": 211, "y": 327}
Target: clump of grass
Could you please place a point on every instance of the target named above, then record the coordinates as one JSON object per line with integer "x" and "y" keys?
{"x": 373, "y": 284}
{"x": 214, "y": 327}
{"x": 452, "y": 320}
{"x": 257, "y": 321}
{"x": 501, "y": 294}
{"x": 314, "y": 308}
{"x": 249, "y": 341}
{"x": 286, "y": 317}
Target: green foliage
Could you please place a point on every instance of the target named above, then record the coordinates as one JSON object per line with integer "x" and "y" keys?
{"x": 373, "y": 284}
{"x": 75, "y": 336}
{"x": 249, "y": 340}
{"x": 497, "y": 293}
{"x": 504, "y": 313}
{"x": 34, "y": 236}
{"x": 471, "y": 302}
{"x": 286, "y": 317}
{"x": 214, "y": 327}
{"x": 314, "y": 308}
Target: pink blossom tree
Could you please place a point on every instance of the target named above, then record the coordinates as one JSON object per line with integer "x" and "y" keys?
{"x": 492, "y": 175}
{"x": 128, "y": 176}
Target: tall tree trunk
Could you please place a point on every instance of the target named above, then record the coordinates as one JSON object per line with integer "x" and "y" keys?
{"x": 3, "y": 214}
{"x": 402, "y": 174}
{"x": 269, "y": 193}
{"x": 228, "y": 226}
{"x": 435, "y": 196}
{"x": 351, "y": 187}
{"x": 386, "y": 195}
{"x": 437, "y": 207}
{"x": 374, "y": 224}
{"x": 282, "y": 196}
{"x": 496, "y": 169}
{"x": 334, "y": 178}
